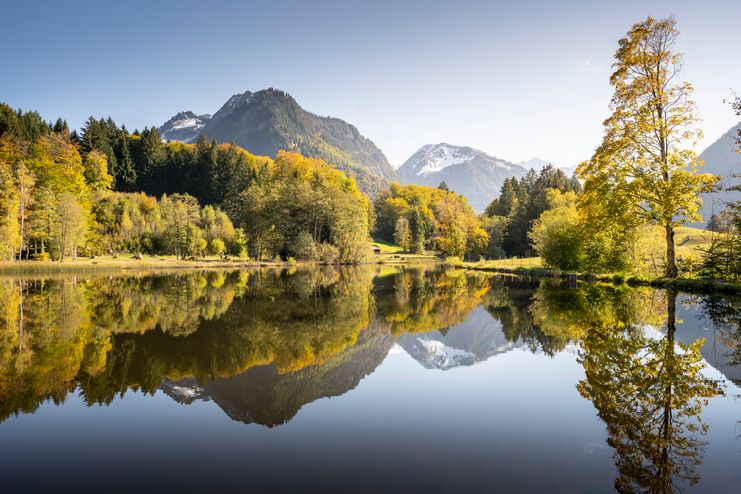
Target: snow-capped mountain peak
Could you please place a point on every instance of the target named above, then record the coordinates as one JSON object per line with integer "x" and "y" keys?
{"x": 184, "y": 126}
{"x": 466, "y": 170}
{"x": 433, "y": 158}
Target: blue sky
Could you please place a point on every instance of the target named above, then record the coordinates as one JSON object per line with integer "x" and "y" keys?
{"x": 515, "y": 79}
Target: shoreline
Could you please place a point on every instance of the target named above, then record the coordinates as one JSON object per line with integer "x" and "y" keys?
{"x": 32, "y": 267}
{"x": 685, "y": 284}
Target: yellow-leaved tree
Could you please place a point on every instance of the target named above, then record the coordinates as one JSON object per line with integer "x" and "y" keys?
{"x": 645, "y": 171}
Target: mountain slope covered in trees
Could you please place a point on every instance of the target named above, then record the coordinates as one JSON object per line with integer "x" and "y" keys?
{"x": 723, "y": 159}
{"x": 268, "y": 121}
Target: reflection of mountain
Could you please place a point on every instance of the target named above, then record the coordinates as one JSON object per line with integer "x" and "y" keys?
{"x": 265, "y": 396}
{"x": 721, "y": 349}
{"x": 474, "y": 340}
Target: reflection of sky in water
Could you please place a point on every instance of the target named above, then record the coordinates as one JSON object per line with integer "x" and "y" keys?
{"x": 512, "y": 420}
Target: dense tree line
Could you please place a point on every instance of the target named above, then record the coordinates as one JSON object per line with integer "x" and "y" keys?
{"x": 421, "y": 218}
{"x": 305, "y": 209}
{"x": 509, "y": 218}
{"x": 56, "y": 202}
{"x": 110, "y": 191}
{"x": 141, "y": 161}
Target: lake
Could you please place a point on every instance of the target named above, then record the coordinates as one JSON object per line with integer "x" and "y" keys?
{"x": 364, "y": 380}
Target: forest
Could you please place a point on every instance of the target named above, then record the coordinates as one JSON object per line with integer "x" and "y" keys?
{"x": 108, "y": 191}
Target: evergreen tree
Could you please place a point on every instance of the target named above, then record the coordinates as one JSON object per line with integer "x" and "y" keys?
{"x": 125, "y": 172}
{"x": 150, "y": 160}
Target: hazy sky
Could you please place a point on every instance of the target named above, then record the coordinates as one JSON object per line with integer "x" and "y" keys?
{"x": 515, "y": 79}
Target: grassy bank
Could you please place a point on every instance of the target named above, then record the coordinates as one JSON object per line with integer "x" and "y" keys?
{"x": 123, "y": 263}
{"x": 392, "y": 254}
{"x": 685, "y": 284}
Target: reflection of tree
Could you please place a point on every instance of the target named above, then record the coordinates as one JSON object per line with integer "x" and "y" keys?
{"x": 291, "y": 321}
{"x": 508, "y": 302}
{"x": 547, "y": 316}
{"x": 46, "y": 339}
{"x": 173, "y": 303}
{"x": 649, "y": 392}
{"x": 110, "y": 334}
{"x": 427, "y": 300}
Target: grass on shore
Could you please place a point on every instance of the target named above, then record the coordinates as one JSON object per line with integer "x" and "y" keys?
{"x": 391, "y": 253}
{"x": 83, "y": 264}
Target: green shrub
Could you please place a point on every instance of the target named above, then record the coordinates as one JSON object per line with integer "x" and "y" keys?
{"x": 41, "y": 256}
{"x": 328, "y": 253}
{"x": 453, "y": 261}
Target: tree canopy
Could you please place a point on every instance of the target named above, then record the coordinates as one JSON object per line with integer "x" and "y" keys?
{"x": 645, "y": 171}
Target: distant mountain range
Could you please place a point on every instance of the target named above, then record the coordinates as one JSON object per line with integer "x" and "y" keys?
{"x": 267, "y": 121}
{"x": 721, "y": 158}
{"x": 270, "y": 120}
{"x": 465, "y": 170}
{"x": 538, "y": 164}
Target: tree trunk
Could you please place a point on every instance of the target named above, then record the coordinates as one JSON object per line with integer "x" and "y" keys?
{"x": 23, "y": 220}
{"x": 671, "y": 263}
{"x": 20, "y": 317}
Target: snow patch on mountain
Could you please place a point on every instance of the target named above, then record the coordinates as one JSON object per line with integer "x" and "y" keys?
{"x": 442, "y": 156}
{"x": 443, "y": 356}
{"x": 186, "y": 123}
{"x": 466, "y": 171}
{"x": 433, "y": 158}
{"x": 185, "y": 126}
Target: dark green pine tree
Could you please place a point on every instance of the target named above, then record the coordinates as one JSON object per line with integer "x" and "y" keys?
{"x": 60, "y": 126}
{"x": 151, "y": 160}
{"x": 125, "y": 176}
{"x": 443, "y": 186}
{"x": 205, "y": 178}
{"x": 96, "y": 136}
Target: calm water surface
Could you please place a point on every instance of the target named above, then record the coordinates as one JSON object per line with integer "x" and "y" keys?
{"x": 365, "y": 380}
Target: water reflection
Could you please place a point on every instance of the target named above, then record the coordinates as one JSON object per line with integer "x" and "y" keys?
{"x": 262, "y": 344}
{"x": 649, "y": 391}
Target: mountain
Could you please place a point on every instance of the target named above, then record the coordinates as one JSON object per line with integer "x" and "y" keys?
{"x": 467, "y": 171}
{"x": 721, "y": 159}
{"x": 185, "y": 126}
{"x": 271, "y": 120}
{"x": 536, "y": 164}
